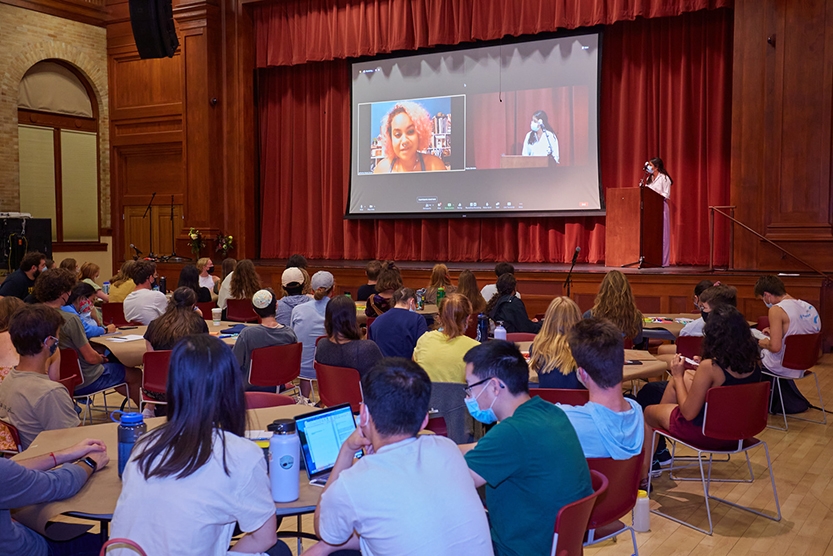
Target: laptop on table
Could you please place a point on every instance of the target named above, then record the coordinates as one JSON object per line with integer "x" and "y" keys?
{"x": 321, "y": 434}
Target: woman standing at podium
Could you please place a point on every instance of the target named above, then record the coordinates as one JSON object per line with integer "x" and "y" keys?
{"x": 541, "y": 140}
{"x": 660, "y": 181}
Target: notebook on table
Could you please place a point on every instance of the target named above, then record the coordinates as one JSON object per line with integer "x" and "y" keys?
{"x": 321, "y": 434}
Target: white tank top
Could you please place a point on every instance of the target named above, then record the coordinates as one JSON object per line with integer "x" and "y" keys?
{"x": 804, "y": 319}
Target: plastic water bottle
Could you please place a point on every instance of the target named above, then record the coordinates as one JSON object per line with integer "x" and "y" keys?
{"x": 500, "y": 331}
{"x": 106, "y": 287}
{"x": 482, "y": 328}
{"x": 131, "y": 427}
{"x": 642, "y": 513}
{"x": 284, "y": 453}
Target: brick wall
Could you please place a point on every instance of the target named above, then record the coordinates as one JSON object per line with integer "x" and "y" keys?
{"x": 28, "y": 37}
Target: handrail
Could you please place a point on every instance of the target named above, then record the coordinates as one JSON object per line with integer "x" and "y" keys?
{"x": 717, "y": 209}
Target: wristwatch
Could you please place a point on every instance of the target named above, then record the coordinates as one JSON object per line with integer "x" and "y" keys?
{"x": 89, "y": 461}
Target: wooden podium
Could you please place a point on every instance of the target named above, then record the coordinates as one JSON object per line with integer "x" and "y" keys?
{"x": 627, "y": 228}
{"x": 519, "y": 161}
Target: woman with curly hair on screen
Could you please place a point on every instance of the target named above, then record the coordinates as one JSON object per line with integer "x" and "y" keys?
{"x": 406, "y": 133}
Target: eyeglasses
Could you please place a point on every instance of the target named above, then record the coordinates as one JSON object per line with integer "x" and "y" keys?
{"x": 468, "y": 388}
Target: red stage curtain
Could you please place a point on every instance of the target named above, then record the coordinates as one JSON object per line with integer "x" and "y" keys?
{"x": 299, "y": 31}
{"x": 665, "y": 90}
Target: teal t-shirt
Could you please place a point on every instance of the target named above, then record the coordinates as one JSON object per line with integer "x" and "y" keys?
{"x": 533, "y": 465}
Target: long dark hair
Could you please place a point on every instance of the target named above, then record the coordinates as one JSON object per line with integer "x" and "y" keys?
{"x": 728, "y": 342}
{"x": 545, "y": 121}
{"x": 340, "y": 318}
{"x": 205, "y": 397}
{"x": 660, "y": 165}
{"x": 189, "y": 277}
{"x": 505, "y": 285}
{"x": 178, "y": 320}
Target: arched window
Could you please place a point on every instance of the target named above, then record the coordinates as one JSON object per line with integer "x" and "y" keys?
{"x": 58, "y": 151}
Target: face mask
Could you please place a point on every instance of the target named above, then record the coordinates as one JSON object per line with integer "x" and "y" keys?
{"x": 649, "y": 168}
{"x": 705, "y": 315}
{"x": 43, "y": 268}
{"x": 210, "y": 269}
{"x": 54, "y": 347}
{"x": 85, "y": 306}
{"x": 535, "y": 126}
{"x": 486, "y": 416}
{"x": 768, "y": 305}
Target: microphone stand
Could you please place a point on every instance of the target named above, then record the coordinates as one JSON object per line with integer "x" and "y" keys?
{"x": 173, "y": 257}
{"x": 151, "y": 256}
{"x": 569, "y": 279}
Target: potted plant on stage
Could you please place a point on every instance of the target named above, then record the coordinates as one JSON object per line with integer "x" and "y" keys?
{"x": 196, "y": 241}
{"x": 223, "y": 244}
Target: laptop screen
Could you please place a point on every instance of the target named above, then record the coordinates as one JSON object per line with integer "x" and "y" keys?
{"x": 322, "y": 433}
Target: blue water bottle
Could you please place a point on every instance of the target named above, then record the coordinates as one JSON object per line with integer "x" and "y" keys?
{"x": 131, "y": 427}
{"x": 482, "y": 328}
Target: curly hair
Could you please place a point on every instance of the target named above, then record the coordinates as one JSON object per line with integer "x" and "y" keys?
{"x": 615, "y": 303}
{"x": 244, "y": 282}
{"x": 727, "y": 341}
{"x": 53, "y": 283}
{"x": 422, "y": 122}
{"x": 550, "y": 349}
{"x": 505, "y": 285}
{"x": 390, "y": 279}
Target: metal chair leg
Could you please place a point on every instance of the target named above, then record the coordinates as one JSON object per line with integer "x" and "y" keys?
{"x": 781, "y": 398}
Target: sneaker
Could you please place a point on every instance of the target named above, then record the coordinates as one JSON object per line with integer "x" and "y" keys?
{"x": 656, "y": 469}
{"x": 302, "y": 400}
{"x": 663, "y": 457}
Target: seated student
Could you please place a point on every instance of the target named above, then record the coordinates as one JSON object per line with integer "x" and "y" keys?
{"x": 144, "y": 304}
{"x": 439, "y": 279}
{"x": 29, "y": 400}
{"x": 205, "y": 273}
{"x": 550, "y": 354}
{"x": 372, "y": 271}
{"x": 69, "y": 264}
{"x": 358, "y": 508}
{"x": 81, "y": 302}
{"x": 8, "y": 355}
{"x": 197, "y": 470}
{"x": 730, "y": 357}
{"x": 293, "y": 282}
{"x": 89, "y": 275}
{"x": 506, "y": 307}
{"x": 397, "y": 331}
{"x": 47, "y": 478}
{"x": 609, "y": 425}
{"x": 489, "y": 290}
{"x": 21, "y": 282}
{"x": 389, "y": 281}
{"x": 307, "y": 321}
{"x": 531, "y": 461}
{"x": 53, "y": 289}
{"x": 244, "y": 283}
{"x": 615, "y": 303}
{"x": 189, "y": 277}
{"x": 467, "y": 285}
{"x": 343, "y": 346}
{"x": 228, "y": 267}
{"x": 440, "y": 352}
{"x": 122, "y": 283}
{"x": 268, "y": 333}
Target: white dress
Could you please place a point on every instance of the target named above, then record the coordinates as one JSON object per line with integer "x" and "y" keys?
{"x": 547, "y": 145}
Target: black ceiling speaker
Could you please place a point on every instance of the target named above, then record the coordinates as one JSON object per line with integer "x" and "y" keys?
{"x": 153, "y": 28}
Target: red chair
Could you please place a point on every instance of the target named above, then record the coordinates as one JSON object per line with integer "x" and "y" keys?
{"x": 437, "y": 424}
{"x": 155, "y": 375}
{"x": 801, "y": 351}
{"x": 113, "y": 313}
{"x": 368, "y": 323}
{"x": 471, "y": 327}
{"x": 572, "y": 519}
{"x": 205, "y": 308}
{"x": 240, "y": 310}
{"x": 15, "y": 436}
{"x": 689, "y": 346}
{"x": 275, "y": 365}
{"x": 623, "y": 477}
{"x": 71, "y": 381}
{"x": 258, "y": 400}
{"x": 736, "y": 414}
{"x": 338, "y": 385}
{"x": 515, "y": 337}
{"x": 763, "y": 322}
{"x": 69, "y": 367}
{"x": 121, "y": 543}
{"x": 567, "y": 396}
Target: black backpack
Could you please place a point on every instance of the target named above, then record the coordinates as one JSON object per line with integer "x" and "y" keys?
{"x": 794, "y": 400}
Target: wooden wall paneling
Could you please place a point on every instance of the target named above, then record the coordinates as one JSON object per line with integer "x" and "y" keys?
{"x": 137, "y": 229}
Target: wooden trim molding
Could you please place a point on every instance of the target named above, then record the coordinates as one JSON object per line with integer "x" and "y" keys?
{"x": 66, "y": 246}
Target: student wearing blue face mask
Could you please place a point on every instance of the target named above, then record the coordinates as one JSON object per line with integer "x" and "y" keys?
{"x": 29, "y": 400}
{"x": 531, "y": 462}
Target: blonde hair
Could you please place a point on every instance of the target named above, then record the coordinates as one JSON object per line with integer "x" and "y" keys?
{"x": 454, "y": 311}
{"x": 550, "y": 349}
{"x": 202, "y": 262}
{"x": 307, "y": 289}
{"x": 615, "y": 303}
{"x": 125, "y": 273}
{"x": 89, "y": 270}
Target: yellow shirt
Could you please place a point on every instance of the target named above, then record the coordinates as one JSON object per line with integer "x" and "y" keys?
{"x": 118, "y": 293}
{"x": 442, "y": 358}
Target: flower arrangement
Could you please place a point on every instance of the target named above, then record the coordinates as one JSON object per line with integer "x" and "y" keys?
{"x": 224, "y": 243}
{"x": 196, "y": 240}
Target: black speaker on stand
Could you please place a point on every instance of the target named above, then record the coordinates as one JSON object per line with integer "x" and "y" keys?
{"x": 153, "y": 28}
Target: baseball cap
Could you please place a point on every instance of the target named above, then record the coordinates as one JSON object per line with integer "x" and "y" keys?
{"x": 290, "y": 275}
{"x": 322, "y": 279}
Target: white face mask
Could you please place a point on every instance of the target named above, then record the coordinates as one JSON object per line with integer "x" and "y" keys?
{"x": 535, "y": 126}
{"x": 650, "y": 168}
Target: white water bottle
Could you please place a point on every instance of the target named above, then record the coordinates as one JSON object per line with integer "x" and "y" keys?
{"x": 642, "y": 513}
{"x": 500, "y": 331}
{"x": 284, "y": 451}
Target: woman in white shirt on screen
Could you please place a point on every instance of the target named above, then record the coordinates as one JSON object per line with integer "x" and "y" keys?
{"x": 541, "y": 141}
{"x": 660, "y": 181}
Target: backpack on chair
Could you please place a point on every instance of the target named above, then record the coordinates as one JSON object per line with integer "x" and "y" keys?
{"x": 794, "y": 400}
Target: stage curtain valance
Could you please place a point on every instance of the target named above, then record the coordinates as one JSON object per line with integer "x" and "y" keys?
{"x": 665, "y": 90}
{"x": 299, "y": 31}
